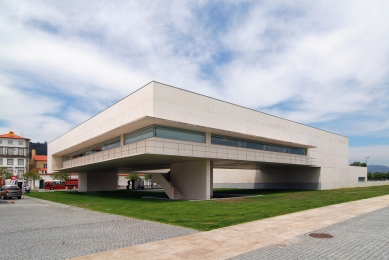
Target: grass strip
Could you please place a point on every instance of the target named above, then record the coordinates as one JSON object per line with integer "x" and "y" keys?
{"x": 211, "y": 214}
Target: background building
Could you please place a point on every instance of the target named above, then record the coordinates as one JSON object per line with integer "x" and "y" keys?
{"x": 38, "y": 163}
{"x": 14, "y": 154}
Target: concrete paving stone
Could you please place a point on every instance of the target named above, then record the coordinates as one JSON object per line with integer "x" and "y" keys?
{"x": 362, "y": 237}
{"x": 97, "y": 236}
{"x": 39, "y": 229}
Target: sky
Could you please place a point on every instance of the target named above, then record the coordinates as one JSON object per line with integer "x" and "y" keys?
{"x": 321, "y": 63}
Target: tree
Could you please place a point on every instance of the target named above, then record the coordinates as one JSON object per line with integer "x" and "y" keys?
{"x": 132, "y": 178}
{"x": 359, "y": 164}
{"x": 4, "y": 175}
{"x": 378, "y": 176}
{"x": 59, "y": 176}
{"x": 147, "y": 176}
{"x": 32, "y": 175}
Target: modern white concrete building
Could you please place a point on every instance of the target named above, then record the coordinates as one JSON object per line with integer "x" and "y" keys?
{"x": 203, "y": 143}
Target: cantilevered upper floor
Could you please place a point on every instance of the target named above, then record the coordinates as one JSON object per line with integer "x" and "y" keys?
{"x": 158, "y": 125}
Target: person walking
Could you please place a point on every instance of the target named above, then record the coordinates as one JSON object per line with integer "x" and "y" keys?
{"x": 28, "y": 188}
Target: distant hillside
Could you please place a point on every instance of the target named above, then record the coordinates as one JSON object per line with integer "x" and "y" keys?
{"x": 377, "y": 168}
{"x": 40, "y": 148}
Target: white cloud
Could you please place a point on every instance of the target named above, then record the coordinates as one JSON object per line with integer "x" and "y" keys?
{"x": 328, "y": 61}
{"x": 30, "y": 114}
{"x": 311, "y": 62}
{"x": 70, "y": 64}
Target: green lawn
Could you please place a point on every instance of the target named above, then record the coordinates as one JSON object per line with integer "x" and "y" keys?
{"x": 208, "y": 215}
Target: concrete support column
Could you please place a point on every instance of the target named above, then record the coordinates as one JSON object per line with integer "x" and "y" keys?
{"x": 82, "y": 182}
{"x": 211, "y": 181}
{"x": 208, "y": 138}
{"x": 208, "y": 142}
{"x": 193, "y": 179}
{"x": 121, "y": 140}
{"x": 97, "y": 181}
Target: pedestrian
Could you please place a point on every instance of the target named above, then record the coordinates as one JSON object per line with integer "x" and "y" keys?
{"x": 28, "y": 188}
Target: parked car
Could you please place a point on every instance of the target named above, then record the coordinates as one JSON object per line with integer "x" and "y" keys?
{"x": 9, "y": 191}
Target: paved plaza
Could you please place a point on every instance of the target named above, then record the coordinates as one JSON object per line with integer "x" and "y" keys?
{"x": 363, "y": 237}
{"x": 282, "y": 237}
{"x": 38, "y": 229}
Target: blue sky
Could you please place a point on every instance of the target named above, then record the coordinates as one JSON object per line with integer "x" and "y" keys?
{"x": 321, "y": 63}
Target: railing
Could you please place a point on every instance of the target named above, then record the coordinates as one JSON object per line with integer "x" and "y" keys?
{"x": 13, "y": 155}
{"x": 56, "y": 168}
{"x": 223, "y": 152}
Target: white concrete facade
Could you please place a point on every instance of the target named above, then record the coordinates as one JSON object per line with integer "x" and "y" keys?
{"x": 325, "y": 165}
{"x": 193, "y": 179}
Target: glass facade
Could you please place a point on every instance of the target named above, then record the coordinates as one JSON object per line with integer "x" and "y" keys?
{"x": 115, "y": 142}
{"x": 227, "y": 141}
{"x": 235, "y": 142}
{"x": 111, "y": 143}
{"x": 179, "y": 134}
{"x": 298, "y": 151}
{"x": 144, "y": 133}
{"x": 182, "y": 135}
{"x": 164, "y": 132}
{"x": 139, "y": 135}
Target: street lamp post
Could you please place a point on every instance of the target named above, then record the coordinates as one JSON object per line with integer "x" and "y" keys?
{"x": 366, "y": 164}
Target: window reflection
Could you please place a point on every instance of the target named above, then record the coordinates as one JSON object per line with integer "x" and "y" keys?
{"x": 144, "y": 133}
{"x": 234, "y": 142}
{"x": 179, "y": 134}
{"x": 112, "y": 143}
{"x": 139, "y": 135}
